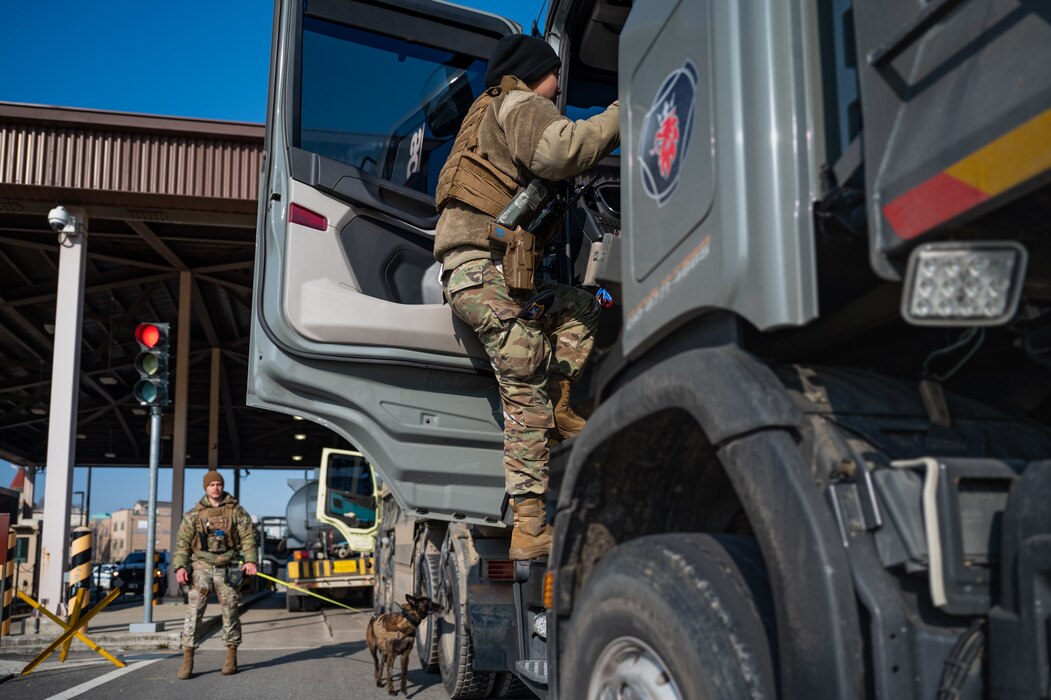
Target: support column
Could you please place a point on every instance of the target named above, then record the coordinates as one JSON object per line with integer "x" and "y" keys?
{"x": 182, "y": 392}
{"x": 213, "y": 411}
{"x": 62, "y": 411}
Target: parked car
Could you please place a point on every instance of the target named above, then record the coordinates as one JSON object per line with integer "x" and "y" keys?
{"x": 102, "y": 575}
{"x": 132, "y": 568}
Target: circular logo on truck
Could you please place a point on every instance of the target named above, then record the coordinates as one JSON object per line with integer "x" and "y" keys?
{"x": 666, "y": 133}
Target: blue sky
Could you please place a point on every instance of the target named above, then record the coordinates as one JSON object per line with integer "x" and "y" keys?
{"x": 264, "y": 492}
{"x": 190, "y": 58}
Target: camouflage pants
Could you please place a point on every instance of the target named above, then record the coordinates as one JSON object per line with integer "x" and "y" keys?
{"x": 203, "y": 583}
{"x": 524, "y": 354}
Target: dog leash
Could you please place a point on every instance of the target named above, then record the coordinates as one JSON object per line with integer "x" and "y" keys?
{"x": 303, "y": 590}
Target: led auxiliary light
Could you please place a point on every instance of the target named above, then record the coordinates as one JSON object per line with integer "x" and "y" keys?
{"x": 540, "y": 624}
{"x": 963, "y": 283}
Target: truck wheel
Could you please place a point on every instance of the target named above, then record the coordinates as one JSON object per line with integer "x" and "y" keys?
{"x": 455, "y": 648}
{"x": 293, "y": 603}
{"x": 507, "y": 685}
{"x": 427, "y": 633}
{"x": 676, "y": 616}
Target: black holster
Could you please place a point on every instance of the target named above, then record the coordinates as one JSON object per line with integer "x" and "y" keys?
{"x": 234, "y": 577}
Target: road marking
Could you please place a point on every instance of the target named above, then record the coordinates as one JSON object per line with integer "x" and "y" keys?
{"x": 112, "y": 675}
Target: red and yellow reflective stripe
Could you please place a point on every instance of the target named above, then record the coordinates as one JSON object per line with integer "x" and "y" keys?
{"x": 1010, "y": 160}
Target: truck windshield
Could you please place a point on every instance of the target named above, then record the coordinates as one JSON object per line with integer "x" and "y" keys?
{"x": 398, "y": 124}
{"x": 350, "y": 491}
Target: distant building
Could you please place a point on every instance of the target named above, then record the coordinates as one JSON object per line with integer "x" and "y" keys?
{"x": 100, "y": 525}
{"x": 128, "y": 528}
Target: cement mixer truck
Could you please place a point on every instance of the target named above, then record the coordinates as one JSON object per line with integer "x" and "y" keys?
{"x": 332, "y": 522}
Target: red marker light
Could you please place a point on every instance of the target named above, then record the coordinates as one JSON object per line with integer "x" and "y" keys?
{"x": 148, "y": 334}
{"x": 305, "y": 217}
{"x": 499, "y": 570}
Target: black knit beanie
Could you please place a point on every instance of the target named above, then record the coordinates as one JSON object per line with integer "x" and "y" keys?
{"x": 528, "y": 58}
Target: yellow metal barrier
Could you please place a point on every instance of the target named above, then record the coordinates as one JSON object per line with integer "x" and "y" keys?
{"x": 79, "y": 579}
{"x": 72, "y": 629}
{"x": 8, "y": 587}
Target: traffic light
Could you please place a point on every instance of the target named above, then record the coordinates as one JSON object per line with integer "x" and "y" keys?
{"x": 152, "y": 364}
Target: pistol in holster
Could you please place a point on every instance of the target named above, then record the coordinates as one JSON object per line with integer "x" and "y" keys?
{"x": 519, "y": 256}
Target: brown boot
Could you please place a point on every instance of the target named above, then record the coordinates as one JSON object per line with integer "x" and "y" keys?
{"x": 186, "y": 670}
{"x": 568, "y": 422}
{"x": 531, "y": 537}
{"x": 230, "y": 667}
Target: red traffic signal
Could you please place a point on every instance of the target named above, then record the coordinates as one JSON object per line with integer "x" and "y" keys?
{"x": 152, "y": 364}
{"x": 148, "y": 334}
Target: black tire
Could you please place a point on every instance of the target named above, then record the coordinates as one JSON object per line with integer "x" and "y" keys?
{"x": 293, "y": 603}
{"x": 455, "y": 648}
{"x": 507, "y": 685}
{"x": 427, "y": 573}
{"x": 697, "y": 607}
{"x": 364, "y": 598}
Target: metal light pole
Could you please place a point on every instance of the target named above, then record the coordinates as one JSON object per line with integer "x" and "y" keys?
{"x": 83, "y": 522}
{"x": 148, "y": 625}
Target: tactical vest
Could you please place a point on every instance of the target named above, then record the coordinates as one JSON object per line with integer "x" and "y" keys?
{"x": 215, "y": 531}
{"x": 466, "y": 175}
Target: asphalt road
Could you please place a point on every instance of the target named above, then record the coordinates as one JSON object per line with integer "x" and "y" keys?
{"x": 283, "y": 655}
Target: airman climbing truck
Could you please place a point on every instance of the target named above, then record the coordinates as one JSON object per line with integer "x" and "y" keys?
{"x": 816, "y": 461}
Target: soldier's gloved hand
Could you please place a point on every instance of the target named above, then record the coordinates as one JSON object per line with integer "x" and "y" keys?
{"x": 182, "y": 576}
{"x": 249, "y": 568}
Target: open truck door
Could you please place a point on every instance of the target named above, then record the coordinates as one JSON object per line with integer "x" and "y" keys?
{"x": 348, "y": 325}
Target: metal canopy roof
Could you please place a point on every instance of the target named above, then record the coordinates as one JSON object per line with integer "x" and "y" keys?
{"x": 163, "y": 196}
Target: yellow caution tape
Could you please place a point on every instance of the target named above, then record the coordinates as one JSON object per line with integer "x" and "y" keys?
{"x": 303, "y": 590}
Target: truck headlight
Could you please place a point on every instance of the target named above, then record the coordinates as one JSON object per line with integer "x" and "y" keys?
{"x": 963, "y": 283}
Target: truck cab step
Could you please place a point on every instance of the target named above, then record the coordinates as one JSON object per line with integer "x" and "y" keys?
{"x": 533, "y": 669}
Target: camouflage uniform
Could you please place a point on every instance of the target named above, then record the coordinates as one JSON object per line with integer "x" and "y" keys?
{"x": 524, "y": 354}
{"x": 512, "y": 135}
{"x": 209, "y": 566}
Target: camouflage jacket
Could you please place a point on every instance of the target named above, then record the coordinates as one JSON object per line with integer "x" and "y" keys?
{"x": 522, "y": 135}
{"x": 188, "y": 543}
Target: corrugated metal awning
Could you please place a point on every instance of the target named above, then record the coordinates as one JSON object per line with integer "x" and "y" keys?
{"x": 163, "y": 195}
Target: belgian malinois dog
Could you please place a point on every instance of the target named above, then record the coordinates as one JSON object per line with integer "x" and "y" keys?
{"x": 393, "y": 634}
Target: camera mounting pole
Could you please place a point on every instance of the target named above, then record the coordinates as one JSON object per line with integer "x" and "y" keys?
{"x": 71, "y": 226}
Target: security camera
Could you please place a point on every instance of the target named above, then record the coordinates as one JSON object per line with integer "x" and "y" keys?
{"x": 59, "y": 218}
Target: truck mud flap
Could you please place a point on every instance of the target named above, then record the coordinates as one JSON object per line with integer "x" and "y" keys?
{"x": 1019, "y": 627}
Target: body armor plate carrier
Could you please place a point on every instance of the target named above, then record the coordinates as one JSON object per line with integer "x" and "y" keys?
{"x": 216, "y": 532}
{"x": 467, "y": 176}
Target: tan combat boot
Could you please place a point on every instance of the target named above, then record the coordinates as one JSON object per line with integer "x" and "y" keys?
{"x": 186, "y": 670}
{"x": 568, "y": 422}
{"x": 230, "y": 667}
{"x": 531, "y": 537}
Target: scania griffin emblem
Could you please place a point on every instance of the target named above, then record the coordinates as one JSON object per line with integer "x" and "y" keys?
{"x": 666, "y": 133}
